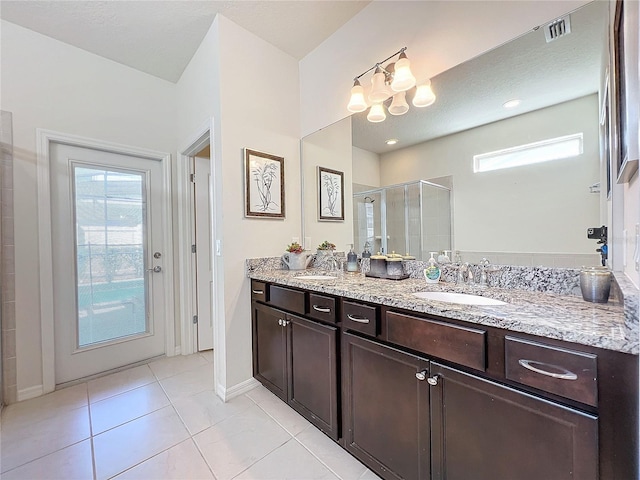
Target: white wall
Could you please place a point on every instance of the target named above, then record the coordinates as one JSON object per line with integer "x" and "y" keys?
{"x": 542, "y": 208}
{"x": 260, "y": 107}
{"x": 438, "y": 34}
{"x": 49, "y": 84}
{"x": 366, "y": 167}
{"x": 330, "y": 148}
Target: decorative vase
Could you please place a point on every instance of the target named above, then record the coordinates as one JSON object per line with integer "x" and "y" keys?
{"x": 297, "y": 261}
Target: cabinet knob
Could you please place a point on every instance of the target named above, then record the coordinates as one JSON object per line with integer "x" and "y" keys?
{"x": 280, "y": 322}
{"x": 421, "y": 375}
{"x": 433, "y": 381}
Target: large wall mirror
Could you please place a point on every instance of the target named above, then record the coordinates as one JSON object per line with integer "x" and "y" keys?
{"x": 535, "y": 214}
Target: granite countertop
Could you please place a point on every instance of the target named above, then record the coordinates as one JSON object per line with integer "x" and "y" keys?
{"x": 563, "y": 317}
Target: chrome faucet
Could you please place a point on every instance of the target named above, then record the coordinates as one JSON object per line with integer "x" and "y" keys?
{"x": 484, "y": 264}
{"x": 464, "y": 269}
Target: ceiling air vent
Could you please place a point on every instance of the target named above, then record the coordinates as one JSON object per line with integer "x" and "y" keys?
{"x": 558, "y": 28}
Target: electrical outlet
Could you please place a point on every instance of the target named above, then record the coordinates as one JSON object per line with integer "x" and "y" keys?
{"x": 307, "y": 243}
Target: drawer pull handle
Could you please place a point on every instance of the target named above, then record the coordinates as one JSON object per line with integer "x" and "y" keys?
{"x": 565, "y": 375}
{"x": 321, "y": 309}
{"x": 357, "y": 319}
{"x": 258, "y": 292}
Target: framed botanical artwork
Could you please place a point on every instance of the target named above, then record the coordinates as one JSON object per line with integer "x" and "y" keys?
{"x": 264, "y": 185}
{"x": 330, "y": 194}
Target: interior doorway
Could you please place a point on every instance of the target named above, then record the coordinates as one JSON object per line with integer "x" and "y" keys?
{"x": 202, "y": 247}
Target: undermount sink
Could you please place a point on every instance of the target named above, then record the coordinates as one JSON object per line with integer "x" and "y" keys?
{"x": 462, "y": 298}
{"x": 315, "y": 277}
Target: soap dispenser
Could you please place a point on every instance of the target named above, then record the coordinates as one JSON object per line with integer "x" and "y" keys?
{"x": 432, "y": 272}
{"x": 352, "y": 260}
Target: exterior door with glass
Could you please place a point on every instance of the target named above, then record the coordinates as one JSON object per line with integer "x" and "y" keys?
{"x": 107, "y": 260}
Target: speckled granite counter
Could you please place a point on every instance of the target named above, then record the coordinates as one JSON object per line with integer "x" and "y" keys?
{"x": 564, "y": 317}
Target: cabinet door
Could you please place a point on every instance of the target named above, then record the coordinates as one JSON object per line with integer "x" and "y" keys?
{"x": 386, "y": 408}
{"x": 486, "y": 431}
{"x": 313, "y": 387}
{"x": 270, "y": 349}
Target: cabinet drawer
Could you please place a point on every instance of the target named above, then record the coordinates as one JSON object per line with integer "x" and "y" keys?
{"x": 322, "y": 307}
{"x": 462, "y": 345}
{"x": 360, "y": 317}
{"x": 556, "y": 370}
{"x": 287, "y": 298}
{"x": 258, "y": 291}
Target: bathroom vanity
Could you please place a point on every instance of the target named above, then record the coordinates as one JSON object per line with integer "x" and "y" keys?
{"x": 544, "y": 387}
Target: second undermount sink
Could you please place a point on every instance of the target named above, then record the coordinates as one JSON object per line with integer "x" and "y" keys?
{"x": 462, "y": 298}
{"x": 315, "y": 277}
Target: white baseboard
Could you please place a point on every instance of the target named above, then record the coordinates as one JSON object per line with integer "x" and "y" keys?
{"x": 227, "y": 394}
{"x": 31, "y": 392}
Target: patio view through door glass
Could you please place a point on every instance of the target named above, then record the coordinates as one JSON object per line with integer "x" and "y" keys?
{"x": 110, "y": 222}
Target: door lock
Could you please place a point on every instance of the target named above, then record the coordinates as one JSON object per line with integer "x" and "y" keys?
{"x": 157, "y": 255}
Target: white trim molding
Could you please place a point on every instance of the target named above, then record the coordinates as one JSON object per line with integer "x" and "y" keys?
{"x": 44, "y": 138}
{"x": 30, "y": 392}
{"x": 202, "y": 137}
{"x": 239, "y": 389}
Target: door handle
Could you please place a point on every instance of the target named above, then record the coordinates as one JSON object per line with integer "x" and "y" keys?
{"x": 156, "y": 269}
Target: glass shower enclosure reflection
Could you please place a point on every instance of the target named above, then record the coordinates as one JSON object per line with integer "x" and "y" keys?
{"x": 412, "y": 218}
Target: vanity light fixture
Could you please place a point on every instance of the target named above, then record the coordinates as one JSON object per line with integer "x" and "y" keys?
{"x": 390, "y": 81}
{"x": 511, "y": 103}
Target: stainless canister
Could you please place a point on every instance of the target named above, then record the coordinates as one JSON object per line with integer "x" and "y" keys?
{"x": 595, "y": 283}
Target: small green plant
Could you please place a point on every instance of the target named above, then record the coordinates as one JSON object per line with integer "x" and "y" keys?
{"x": 326, "y": 246}
{"x": 295, "y": 247}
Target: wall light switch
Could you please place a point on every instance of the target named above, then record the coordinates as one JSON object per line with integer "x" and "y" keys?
{"x": 218, "y": 248}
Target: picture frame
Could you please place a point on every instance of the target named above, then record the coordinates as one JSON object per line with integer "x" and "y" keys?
{"x": 625, "y": 83}
{"x": 330, "y": 195}
{"x": 264, "y": 185}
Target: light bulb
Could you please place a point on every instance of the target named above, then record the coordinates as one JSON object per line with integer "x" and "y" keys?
{"x": 376, "y": 113}
{"x": 403, "y": 79}
{"x": 399, "y": 105}
{"x": 380, "y": 91}
{"x": 357, "y": 103}
{"x": 424, "y": 95}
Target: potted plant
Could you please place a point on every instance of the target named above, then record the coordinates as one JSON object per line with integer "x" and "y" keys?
{"x": 325, "y": 250}
{"x": 295, "y": 257}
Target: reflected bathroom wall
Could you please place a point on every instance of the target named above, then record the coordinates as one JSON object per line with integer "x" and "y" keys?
{"x": 412, "y": 218}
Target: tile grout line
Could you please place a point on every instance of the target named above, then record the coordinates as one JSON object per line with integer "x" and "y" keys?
{"x": 93, "y": 453}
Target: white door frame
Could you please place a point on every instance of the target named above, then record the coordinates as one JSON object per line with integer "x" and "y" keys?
{"x": 43, "y": 140}
{"x": 201, "y": 138}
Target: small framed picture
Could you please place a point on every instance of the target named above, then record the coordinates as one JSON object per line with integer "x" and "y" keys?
{"x": 330, "y": 194}
{"x": 264, "y": 185}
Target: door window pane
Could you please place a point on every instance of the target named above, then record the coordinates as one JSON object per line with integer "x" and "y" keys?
{"x": 110, "y": 217}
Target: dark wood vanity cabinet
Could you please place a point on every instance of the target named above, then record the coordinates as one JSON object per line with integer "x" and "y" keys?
{"x": 297, "y": 359}
{"x": 313, "y": 373}
{"x": 385, "y": 408}
{"x": 486, "y": 431}
{"x": 270, "y": 364}
{"x": 425, "y": 397}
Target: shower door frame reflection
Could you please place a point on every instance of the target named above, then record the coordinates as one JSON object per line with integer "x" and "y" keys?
{"x": 384, "y": 228}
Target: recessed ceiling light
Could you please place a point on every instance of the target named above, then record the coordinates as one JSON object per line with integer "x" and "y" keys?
{"x": 511, "y": 103}
{"x": 391, "y": 141}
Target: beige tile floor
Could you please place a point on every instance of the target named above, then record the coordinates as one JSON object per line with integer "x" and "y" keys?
{"x": 163, "y": 421}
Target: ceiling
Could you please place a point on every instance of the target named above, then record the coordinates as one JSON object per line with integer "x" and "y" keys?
{"x": 160, "y": 37}
{"x": 472, "y": 94}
